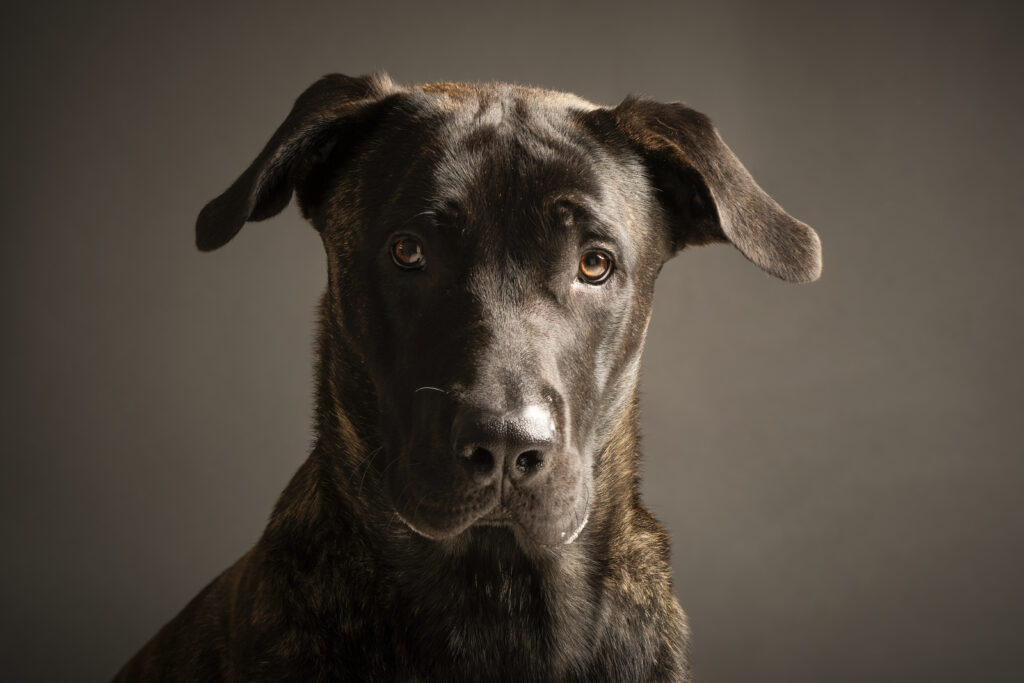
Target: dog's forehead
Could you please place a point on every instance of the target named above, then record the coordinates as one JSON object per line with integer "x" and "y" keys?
{"x": 506, "y": 149}
{"x": 494, "y": 129}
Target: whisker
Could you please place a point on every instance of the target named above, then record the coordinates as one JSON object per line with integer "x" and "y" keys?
{"x": 430, "y": 389}
{"x": 366, "y": 468}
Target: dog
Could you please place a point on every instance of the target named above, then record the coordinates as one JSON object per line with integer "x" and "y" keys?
{"x": 470, "y": 508}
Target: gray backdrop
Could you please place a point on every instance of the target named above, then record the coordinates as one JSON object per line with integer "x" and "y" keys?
{"x": 839, "y": 464}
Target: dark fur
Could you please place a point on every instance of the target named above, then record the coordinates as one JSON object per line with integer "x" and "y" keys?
{"x": 506, "y": 185}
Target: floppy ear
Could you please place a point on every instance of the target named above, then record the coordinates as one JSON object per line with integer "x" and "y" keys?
{"x": 709, "y": 195}
{"x": 325, "y": 123}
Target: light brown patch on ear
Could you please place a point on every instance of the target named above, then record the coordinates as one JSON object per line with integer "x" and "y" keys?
{"x": 681, "y": 147}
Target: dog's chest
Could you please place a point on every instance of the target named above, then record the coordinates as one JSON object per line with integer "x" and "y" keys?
{"x": 475, "y": 615}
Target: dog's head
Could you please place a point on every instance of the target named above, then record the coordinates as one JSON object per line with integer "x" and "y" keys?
{"x": 492, "y": 251}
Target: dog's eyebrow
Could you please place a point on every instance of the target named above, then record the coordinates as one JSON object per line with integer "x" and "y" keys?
{"x": 583, "y": 214}
{"x": 427, "y": 212}
{"x": 436, "y": 215}
{"x": 571, "y": 207}
{"x": 599, "y": 232}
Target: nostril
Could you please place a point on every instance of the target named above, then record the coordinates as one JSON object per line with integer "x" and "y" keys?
{"x": 529, "y": 461}
{"x": 517, "y": 446}
{"x": 481, "y": 461}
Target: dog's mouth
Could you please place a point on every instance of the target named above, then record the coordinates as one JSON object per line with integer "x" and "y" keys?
{"x": 549, "y": 516}
{"x": 502, "y": 517}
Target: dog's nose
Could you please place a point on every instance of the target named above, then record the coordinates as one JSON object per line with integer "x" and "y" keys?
{"x": 519, "y": 444}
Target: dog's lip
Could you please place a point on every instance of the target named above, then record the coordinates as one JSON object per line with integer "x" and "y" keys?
{"x": 501, "y": 516}
{"x": 434, "y": 534}
{"x": 468, "y": 519}
{"x": 438, "y": 519}
{"x": 498, "y": 515}
{"x": 495, "y": 516}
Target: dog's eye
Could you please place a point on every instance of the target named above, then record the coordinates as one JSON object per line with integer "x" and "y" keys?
{"x": 595, "y": 266}
{"x": 407, "y": 252}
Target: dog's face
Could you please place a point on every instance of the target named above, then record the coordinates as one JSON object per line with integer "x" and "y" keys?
{"x": 497, "y": 285}
{"x": 492, "y": 254}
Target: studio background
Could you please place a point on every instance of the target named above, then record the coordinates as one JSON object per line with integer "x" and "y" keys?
{"x": 839, "y": 464}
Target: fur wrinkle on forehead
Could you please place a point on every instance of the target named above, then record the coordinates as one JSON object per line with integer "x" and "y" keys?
{"x": 514, "y": 124}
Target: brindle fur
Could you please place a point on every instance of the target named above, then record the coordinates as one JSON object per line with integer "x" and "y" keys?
{"x": 338, "y": 587}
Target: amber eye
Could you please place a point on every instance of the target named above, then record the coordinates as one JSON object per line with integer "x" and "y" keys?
{"x": 595, "y": 266}
{"x": 407, "y": 252}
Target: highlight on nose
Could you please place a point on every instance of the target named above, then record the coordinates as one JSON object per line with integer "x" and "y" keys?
{"x": 518, "y": 444}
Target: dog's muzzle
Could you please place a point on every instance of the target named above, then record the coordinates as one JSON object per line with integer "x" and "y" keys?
{"x": 497, "y": 468}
